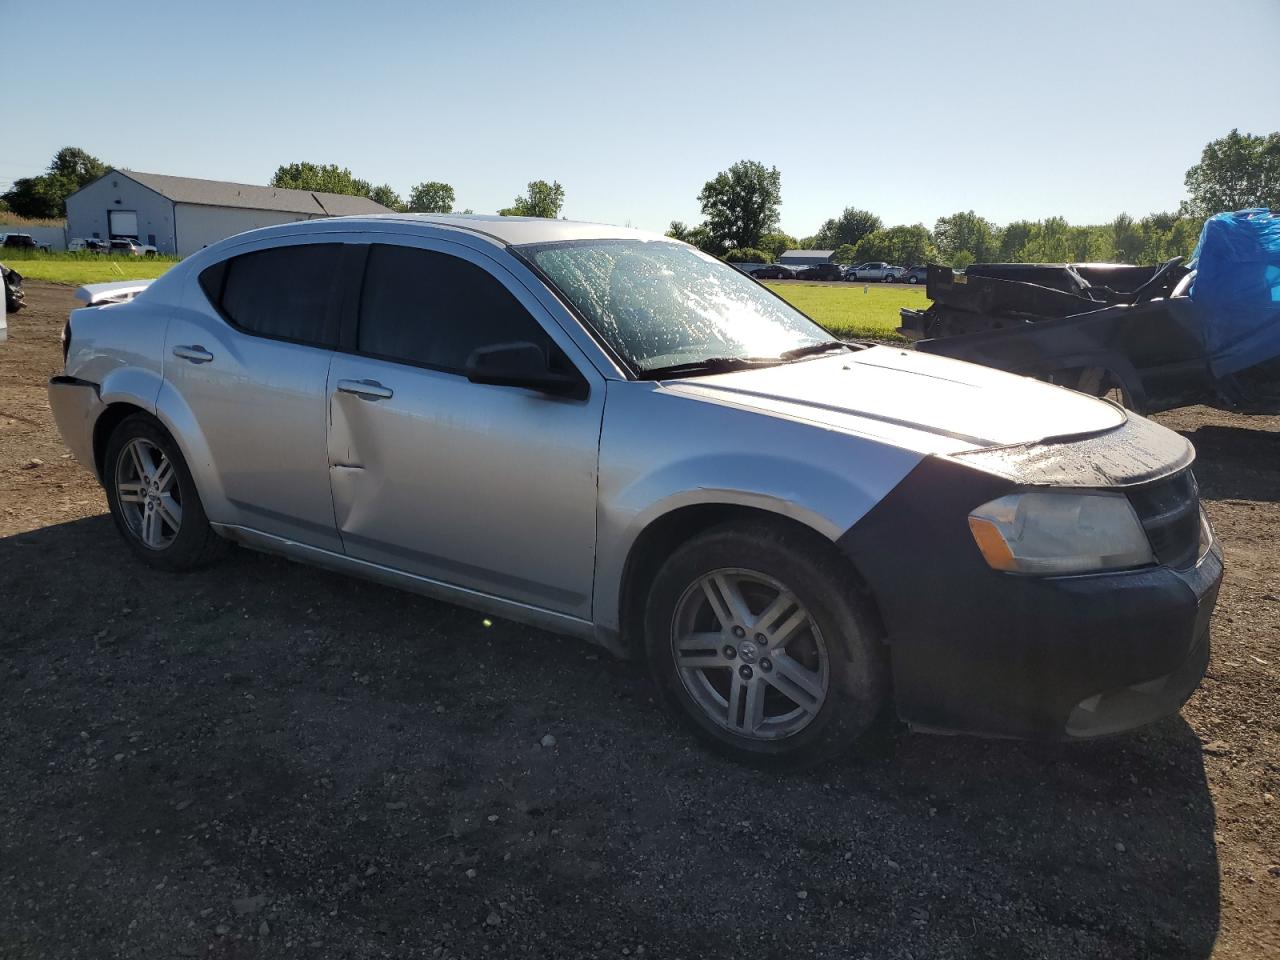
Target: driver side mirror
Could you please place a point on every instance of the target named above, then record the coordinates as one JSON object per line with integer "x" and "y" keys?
{"x": 523, "y": 364}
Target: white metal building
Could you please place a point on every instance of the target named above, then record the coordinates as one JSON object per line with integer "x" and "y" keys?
{"x": 805, "y": 258}
{"x": 181, "y": 214}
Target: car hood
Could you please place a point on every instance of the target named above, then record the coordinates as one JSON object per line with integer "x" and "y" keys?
{"x": 914, "y": 400}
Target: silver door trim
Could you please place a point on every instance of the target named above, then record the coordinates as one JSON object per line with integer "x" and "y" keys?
{"x": 436, "y": 589}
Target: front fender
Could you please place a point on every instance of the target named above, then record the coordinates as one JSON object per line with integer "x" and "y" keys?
{"x": 661, "y": 454}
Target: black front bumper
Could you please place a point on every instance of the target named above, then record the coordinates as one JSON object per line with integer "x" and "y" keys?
{"x": 978, "y": 651}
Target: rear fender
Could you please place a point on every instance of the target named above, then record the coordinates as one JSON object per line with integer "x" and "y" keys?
{"x": 172, "y": 411}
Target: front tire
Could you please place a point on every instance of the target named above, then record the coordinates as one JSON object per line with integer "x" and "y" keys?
{"x": 153, "y": 498}
{"x": 756, "y": 636}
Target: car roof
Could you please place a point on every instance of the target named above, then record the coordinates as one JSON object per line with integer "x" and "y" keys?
{"x": 508, "y": 231}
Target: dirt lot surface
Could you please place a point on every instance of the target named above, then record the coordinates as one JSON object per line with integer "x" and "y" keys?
{"x": 265, "y": 760}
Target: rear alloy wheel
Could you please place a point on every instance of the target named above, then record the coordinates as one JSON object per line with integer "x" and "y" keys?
{"x": 153, "y": 498}
{"x": 756, "y": 636}
{"x": 149, "y": 495}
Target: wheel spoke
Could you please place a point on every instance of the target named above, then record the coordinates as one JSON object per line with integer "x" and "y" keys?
{"x": 736, "y": 689}
{"x": 798, "y": 683}
{"x": 781, "y": 635}
{"x": 753, "y": 713}
{"x": 732, "y": 603}
{"x": 164, "y": 475}
{"x": 170, "y": 511}
{"x": 151, "y": 529}
{"x": 130, "y": 491}
{"x": 140, "y": 463}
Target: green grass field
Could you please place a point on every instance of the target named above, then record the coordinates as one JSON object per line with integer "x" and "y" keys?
{"x": 848, "y": 312}
{"x": 95, "y": 270}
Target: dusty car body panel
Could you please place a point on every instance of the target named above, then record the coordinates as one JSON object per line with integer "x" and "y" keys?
{"x": 1091, "y": 327}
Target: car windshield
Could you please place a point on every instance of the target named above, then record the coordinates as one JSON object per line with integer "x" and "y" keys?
{"x": 662, "y": 305}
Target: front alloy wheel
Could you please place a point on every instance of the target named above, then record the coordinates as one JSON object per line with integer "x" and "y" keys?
{"x": 757, "y": 636}
{"x": 149, "y": 495}
{"x": 749, "y": 654}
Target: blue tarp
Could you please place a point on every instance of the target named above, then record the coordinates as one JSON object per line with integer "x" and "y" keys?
{"x": 1237, "y": 284}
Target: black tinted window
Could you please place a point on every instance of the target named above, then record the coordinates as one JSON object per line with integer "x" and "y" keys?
{"x": 285, "y": 292}
{"x": 433, "y": 309}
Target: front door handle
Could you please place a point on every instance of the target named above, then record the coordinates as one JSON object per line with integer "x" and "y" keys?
{"x": 366, "y": 389}
{"x": 196, "y": 354}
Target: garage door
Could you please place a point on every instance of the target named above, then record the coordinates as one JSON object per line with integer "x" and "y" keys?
{"x": 122, "y": 223}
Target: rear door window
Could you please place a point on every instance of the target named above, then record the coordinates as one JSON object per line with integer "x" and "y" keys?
{"x": 433, "y": 309}
{"x": 285, "y": 293}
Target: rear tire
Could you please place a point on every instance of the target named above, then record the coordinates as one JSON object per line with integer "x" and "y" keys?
{"x": 757, "y": 640}
{"x": 153, "y": 498}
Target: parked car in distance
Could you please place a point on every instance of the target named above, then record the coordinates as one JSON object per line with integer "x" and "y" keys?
{"x": 648, "y": 450}
{"x": 130, "y": 246}
{"x": 773, "y": 271}
{"x": 90, "y": 245}
{"x": 878, "y": 271}
{"x": 917, "y": 274}
{"x": 821, "y": 271}
{"x": 18, "y": 241}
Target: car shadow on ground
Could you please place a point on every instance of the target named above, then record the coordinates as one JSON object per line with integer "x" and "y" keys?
{"x": 260, "y": 754}
{"x": 1236, "y": 463}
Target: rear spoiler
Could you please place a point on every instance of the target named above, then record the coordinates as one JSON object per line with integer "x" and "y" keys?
{"x": 120, "y": 291}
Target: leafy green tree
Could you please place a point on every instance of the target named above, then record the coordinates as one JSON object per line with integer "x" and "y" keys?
{"x": 1013, "y": 239}
{"x": 845, "y": 253}
{"x": 1127, "y": 240}
{"x": 320, "y": 177}
{"x": 431, "y": 196}
{"x": 542, "y": 200}
{"x": 848, "y": 228}
{"x": 969, "y": 232}
{"x": 387, "y": 197}
{"x": 746, "y": 255}
{"x": 777, "y": 243}
{"x": 741, "y": 203}
{"x": 1234, "y": 173}
{"x": 901, "y": 245}
{"x": 961, "y": 259}
{"x": 678, "y": 231}
{"x": 46, "y": 195}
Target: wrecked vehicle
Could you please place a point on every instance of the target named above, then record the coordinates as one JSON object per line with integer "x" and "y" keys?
{"x": 613, "y": 435}
{"x": 13, "y": 295}
{"x": 1151, "y": 337}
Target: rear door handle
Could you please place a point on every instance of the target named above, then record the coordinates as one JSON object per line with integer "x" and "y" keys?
{"x": 196, "y": 354}
{"x": 366, "y": 389}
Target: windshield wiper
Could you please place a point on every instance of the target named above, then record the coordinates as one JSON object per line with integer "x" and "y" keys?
{"x": 709, "y": 365}
{"x": 796, "y": 353}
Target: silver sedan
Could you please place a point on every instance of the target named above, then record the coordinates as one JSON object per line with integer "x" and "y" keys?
{"x": 607, "y": 433}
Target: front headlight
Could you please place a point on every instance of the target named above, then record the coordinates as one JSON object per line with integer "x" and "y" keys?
{"x": 1058, "y": 532}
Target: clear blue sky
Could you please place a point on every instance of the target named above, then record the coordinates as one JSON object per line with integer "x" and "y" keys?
{"x": 915, "y": 110}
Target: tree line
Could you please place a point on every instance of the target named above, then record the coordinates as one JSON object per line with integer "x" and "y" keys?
{"x": 742, "y": 206}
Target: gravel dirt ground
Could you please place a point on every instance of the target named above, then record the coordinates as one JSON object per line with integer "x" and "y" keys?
{"x": 265, "y": 760}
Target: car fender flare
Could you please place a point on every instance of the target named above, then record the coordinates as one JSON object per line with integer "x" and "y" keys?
{"x": 822, "y": 500}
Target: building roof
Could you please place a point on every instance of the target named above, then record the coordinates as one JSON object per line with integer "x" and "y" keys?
{"x": 219, "y": 193}
{"x": 806, "y": 255}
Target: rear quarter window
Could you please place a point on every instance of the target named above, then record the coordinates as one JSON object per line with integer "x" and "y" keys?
{"x": 285, "y": 293}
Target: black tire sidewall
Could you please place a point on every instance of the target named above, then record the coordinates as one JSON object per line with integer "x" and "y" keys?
{"x": 857, "y": 680}
{"x": 188, "y": 548}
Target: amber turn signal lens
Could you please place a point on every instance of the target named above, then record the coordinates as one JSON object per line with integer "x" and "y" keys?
{"x": 994, "y": 549}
